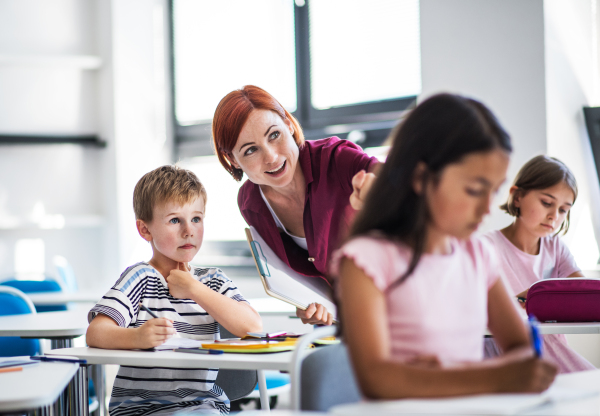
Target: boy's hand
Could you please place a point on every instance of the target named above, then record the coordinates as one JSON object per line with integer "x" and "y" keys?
{"x": 154, "y": 332}
{"x": 181, "y": 282}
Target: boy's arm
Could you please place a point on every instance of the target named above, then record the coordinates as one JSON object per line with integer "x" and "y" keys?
{"x": 239, "y": 318}
{"x": 104, "y": 332}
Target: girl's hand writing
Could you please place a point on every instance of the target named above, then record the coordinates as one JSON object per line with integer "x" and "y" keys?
{"x": 315, "y": 314}
{"x": 154, "y": 332}
{"x": 532, "y": 375}
{"x": 181, "y": 282}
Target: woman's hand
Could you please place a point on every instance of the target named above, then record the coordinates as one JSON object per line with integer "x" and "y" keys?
{"x": 315, "y": 314}
{"x": 154, "y": 332}
{"x": 181, "y": 282}
{"x": 361, "y": 183}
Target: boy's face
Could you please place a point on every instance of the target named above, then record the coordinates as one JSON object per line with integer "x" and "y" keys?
{"x": 176, "y": 231}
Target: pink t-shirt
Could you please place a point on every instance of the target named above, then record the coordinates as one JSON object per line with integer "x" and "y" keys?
{"x": 520, "y": 270}
{"x": 441, "y": 308}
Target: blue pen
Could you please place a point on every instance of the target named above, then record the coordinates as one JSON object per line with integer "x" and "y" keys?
{"x": 536, "y": 338}
{"x": 66, "y": 360}
{"x": 198, "y": 351}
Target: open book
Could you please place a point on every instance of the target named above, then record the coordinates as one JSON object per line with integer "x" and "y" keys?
{"x": 283, "y": 283}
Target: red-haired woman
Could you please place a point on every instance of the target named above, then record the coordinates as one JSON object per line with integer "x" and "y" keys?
{"x": 300, "y": 195}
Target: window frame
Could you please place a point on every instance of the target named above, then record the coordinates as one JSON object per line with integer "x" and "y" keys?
{"x": 375, "y": 118}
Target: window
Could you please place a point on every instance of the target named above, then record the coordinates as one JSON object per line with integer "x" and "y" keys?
{"x": 337, "y": 65}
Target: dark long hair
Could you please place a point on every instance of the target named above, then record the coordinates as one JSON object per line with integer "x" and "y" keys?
{"x": 440, "y": 131}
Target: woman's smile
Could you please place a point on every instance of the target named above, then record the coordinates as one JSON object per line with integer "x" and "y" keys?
{"x": 278, "y": 171}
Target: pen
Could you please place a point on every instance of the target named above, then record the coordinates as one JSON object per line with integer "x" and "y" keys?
{"x": 198, "y": 351}
{"x": 536, "y": 339}
{"x": 148, "y": 310}
{"x": 67, "y": 360}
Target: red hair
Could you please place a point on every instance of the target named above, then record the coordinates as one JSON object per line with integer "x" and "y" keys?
{"x": 231, "y": 115}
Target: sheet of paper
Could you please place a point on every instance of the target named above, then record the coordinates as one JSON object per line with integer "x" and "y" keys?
{"x": 488, "y": 404}
{"x": 290, "y": 286}
{"x": 178, "y": 342}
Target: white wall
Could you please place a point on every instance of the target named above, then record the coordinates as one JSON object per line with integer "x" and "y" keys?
{"x": 493, "y": 51}
{"x": 572, "y": 82}
{"x": 124, "y": 101}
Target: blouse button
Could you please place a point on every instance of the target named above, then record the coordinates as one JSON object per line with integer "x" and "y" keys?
{"x": 311, "y": 259}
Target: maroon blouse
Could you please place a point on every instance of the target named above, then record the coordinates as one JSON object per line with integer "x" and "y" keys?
{"x": 328, "y": 166}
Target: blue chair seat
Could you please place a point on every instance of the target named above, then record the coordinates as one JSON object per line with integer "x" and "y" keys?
{"x": 275, "y": 380}
{"x": 36, "y": 286}
{"x": 15, "y": 302}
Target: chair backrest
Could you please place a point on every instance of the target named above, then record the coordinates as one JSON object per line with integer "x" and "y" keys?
{"x": 35, "y": 286}
{"x": 327, "y": 379}
{"x": 15, "y": 302}
{"x": 236, "y": 383}
{"x": 324, "y": 377}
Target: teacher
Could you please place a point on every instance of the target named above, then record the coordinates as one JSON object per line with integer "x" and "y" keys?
{"x": 300, "y": 195}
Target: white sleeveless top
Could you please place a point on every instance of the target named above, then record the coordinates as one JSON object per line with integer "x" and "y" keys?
{"x": 300, "y": 241}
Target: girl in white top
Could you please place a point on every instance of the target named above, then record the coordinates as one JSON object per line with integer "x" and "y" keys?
{"x": 530, "y": 249}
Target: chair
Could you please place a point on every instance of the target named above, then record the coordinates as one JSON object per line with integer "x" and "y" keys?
{"x": 65, "y": 273}
{"x": 323, "y": 378}
{"x": 34, "y": 286}
{"x": 15, "y": 302}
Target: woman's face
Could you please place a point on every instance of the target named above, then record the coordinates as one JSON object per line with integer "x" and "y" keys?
{"x": 542, "y": 211}
{"x": 266, "y": 150}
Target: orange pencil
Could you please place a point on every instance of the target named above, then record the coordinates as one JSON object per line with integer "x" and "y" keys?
{"x": 9, "y": 369}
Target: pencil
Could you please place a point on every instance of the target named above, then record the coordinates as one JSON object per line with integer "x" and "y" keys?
{"x": 10, "y": 369}
{"x": 148, "y": 310}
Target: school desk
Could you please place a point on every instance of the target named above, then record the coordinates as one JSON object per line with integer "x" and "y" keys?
{"x": 585, "y": 380}
{"x": 39, "y": 388}
{"x": 59, "y": 327}
{"x": 567, "y": 328}
{"x": 53, "y": 298}
{"x": 278, "y": 361}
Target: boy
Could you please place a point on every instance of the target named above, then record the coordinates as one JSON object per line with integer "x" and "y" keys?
{"x": 169, "y": 205}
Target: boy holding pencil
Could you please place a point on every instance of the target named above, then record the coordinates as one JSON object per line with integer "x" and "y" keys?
{"x": 169, "y": 205}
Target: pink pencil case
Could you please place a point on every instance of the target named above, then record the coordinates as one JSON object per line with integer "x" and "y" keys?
{"x": 566, "y": 299}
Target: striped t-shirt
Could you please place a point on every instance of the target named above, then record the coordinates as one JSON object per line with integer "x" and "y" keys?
{"x": 163, "y": 390}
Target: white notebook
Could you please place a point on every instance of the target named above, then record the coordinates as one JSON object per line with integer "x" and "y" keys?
{"x": 487, "y": 404}
{"x": 283, "y": 283}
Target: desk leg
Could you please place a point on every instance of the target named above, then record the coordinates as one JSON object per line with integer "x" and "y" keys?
{"x": 61, "y": 343}
{"x": 262, "y": 388}
{"x": 97, "y": 375}
{"x": 78, "y": 393}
